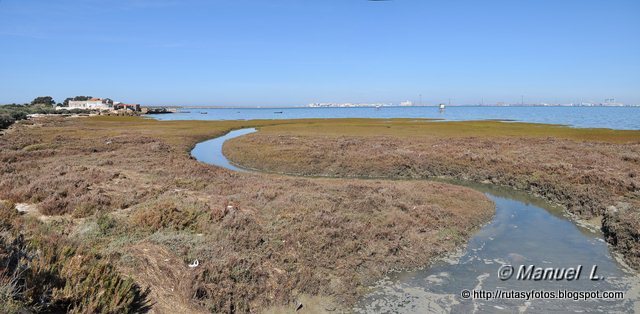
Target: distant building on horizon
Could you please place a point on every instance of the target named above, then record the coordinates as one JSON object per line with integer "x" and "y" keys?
{"x": 612, "y": 102}
{"x": 345, "y": 105}
{"x": 101, "y": 104}
{"x": 93, "y": 103}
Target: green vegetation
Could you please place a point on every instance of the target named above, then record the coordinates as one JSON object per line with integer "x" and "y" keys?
{"x": 11, "y": 113}
{"x": 46, "y": 101}
{"x": 422, "y": 128}
{"x": 14, "y": 112}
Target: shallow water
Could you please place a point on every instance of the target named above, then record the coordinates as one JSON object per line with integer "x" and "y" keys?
{"x": 524, "y": 231}
{"x": 622, "y": 118}
{"x": 521, "y": 233}
{"x": 210, "y": 151}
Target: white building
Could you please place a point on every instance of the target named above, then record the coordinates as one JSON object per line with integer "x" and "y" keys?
{"x": 93, "y": 103}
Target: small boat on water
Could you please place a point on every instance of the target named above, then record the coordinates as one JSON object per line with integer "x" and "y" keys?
{"x": 442, "y": 106}
{"x": 277, "y": 112}
{"x": 203, "y": 112}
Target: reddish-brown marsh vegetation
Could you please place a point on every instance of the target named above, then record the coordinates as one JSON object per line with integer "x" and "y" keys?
{"x": 128, "y": 199}
{"x": 592, "y": 172}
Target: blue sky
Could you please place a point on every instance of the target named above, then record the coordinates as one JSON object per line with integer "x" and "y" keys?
{"x": 294, "y": 52}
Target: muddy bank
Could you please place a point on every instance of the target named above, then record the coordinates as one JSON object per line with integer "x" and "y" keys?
{"x": 592, "y": 174}
{"x": 126, "y": 189}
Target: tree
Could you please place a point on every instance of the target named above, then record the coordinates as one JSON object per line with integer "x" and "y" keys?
{"x": 44, "y": 100}
{"x": 77, "y": 98}
{"x": 6, "y": 120}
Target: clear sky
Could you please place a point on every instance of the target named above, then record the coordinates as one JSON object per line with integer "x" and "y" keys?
{"x": 294, "y": 52}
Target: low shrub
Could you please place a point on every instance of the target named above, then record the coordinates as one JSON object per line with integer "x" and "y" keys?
{"x": 7, "y": 213}
{"x": 51, "y": 274}
{"x": 170, "y": 212}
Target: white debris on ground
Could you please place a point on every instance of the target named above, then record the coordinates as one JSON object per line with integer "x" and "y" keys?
{"x": 26, "y": 208}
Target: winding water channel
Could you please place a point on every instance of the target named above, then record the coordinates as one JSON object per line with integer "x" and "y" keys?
{"x": 525, "y": 231}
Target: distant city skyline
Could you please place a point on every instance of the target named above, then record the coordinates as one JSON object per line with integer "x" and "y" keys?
{"x": 293, "y": 53}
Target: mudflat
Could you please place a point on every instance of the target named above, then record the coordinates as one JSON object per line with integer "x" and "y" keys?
{"x": 593, "y": 173}
{"x": 118, "y": 212}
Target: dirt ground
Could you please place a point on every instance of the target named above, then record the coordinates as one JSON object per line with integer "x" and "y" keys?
{"x": 125, "y": 193}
